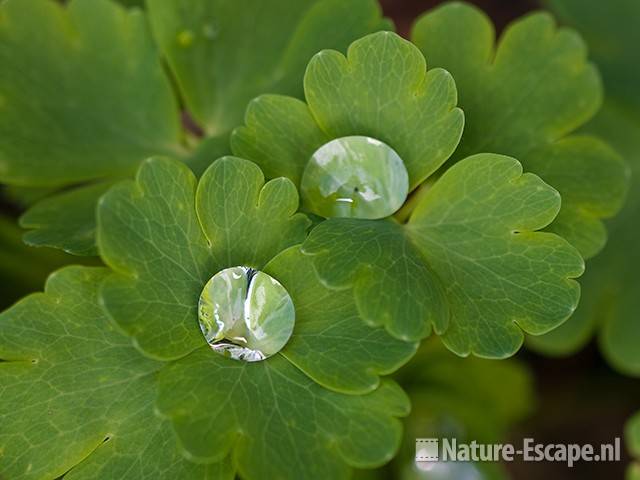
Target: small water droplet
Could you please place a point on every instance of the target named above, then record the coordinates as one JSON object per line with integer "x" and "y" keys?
{"x": 357, "y": 176}
{"x": 209, "y": 31}
{"x": 185, "y": 38}
{"x": 245, "y": 314}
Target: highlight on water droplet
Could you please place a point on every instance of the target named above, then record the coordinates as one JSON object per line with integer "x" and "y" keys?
{"x": 245, "y": 314}
{"x": 356, "y": 176}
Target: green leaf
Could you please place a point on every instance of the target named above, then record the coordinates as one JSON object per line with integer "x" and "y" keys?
{"x": 280, "y": 135}
{"x": 609, "y": 302}
{"x": 246, "y": 221}
{"x": 76, "y": 397}
{"x": 101, "y": 124}
{"x": 381, "y": 89}
{"x": 23, "y": 269}
{"x": 610, "y": 286}
{"x": 85, "y": 98}
{"x": 164, "y": 235}
{"x": 277, "y": 421}
{"x": 165, "y": 241}
{"x": 149, "y": 234}
{"x": 393, "y": 285}
{"x": 165, "y": 238}
{"x": 522, "y": 98}
{"x": 223, "y": 53}
{"x": 207, "y": 152}
{"x": 612, "y": 35}
{"x": 330, "y": 342}
{"x": 475, "y": 230}
{"x": 65, "y": 220}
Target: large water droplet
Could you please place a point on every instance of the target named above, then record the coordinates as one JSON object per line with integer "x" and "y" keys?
{"x": 245, "y": 314}
{"x": 358, "y": 177}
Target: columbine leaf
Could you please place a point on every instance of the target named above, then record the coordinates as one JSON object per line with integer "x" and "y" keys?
{"x": 278, "y": 422}
{"x": 475, "y": 229}
{"x": 75, "y": 395}
{"x": 330, "y": 343}
{"x": 381, "y": 90}
{"x": 22, "y": 269}
{"x": 609, "y": 303}
{"x": 65, "y": 220}
{"x": 66, "y": 128}
{"x": 522, "y": 98}
{"x": 611, "y": 35}
{"x": 482, "y": 242}
{"x": 85, "y": 99}
{"x": 610, "y": 300}
{"x": 223, "y": 53}
{"x": 165, "y": 239}
{"x": 246, "y": 221}
{"x": 150, "y": 234}
{"x": 392, "y": 284}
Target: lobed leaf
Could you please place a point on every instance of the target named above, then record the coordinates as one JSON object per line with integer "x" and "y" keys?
{"x": 246, "y": 221}
{"x": 165, "y": 237}
{"x": 330, "y": 342}
{"x": 22, "y": 269}
{"x": 522, "y": 98}
{"x": 65, "y": 220}
{"x": 475, "y": 230}
{"x": 610, "y": 302}
{"x": 393, "y": 285}
{"x": 82, "y": 100}
{"x": 85, "y": 98}
{"x": 165, "y": 240}
{"x": 76, "y": 399}
{"x": 149, "y": 234}
{"x": 380, "y": 89}
{"x": 224, "y": 53}
{"x": 278, "y": 422}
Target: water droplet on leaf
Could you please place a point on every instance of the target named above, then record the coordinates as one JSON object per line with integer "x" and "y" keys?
{"x": 245, "y": 314}
{"x": 185, "y": 38}
{"x": 209, "y": 31}
{"x": 358, "y": 177}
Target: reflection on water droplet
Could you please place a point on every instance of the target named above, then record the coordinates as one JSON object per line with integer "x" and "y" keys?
{"x": 245, "y": 314}
{"x": 185, "y": 38}
{"x": 358, "y": 177}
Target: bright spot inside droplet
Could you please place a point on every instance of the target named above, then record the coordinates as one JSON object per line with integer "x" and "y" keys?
{"x": 245, "y": 314}
{"x": 358, "y": 177}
